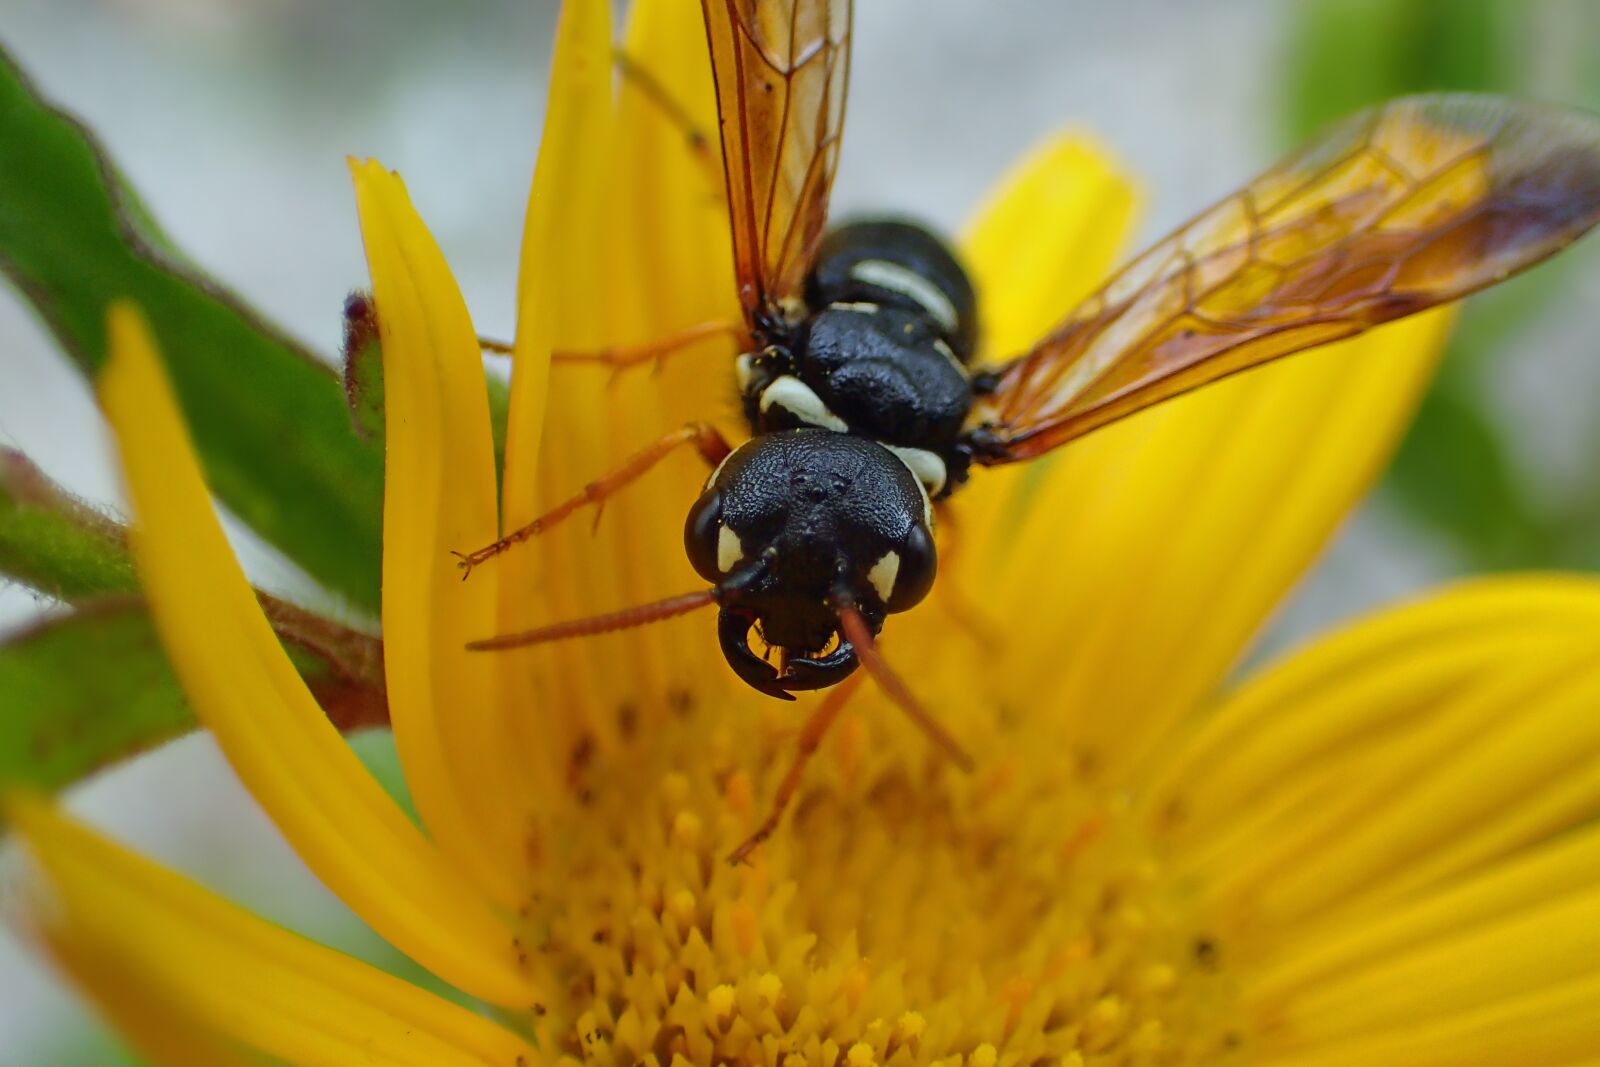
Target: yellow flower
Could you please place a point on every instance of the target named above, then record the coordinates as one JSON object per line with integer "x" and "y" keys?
{"x": 1380, "y": 851}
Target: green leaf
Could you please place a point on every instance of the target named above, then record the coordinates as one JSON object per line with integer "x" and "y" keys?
{"x": 55, "y": 543}
{"x": 1455, "y": 471}
{"x": 363, "y": 378}
{"x": 60, "y": 721}
{"x": 1348, "y": 54}
{"x": 267, "y": 417}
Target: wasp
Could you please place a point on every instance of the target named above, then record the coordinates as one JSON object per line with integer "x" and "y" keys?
{"x": 858, "y": 373}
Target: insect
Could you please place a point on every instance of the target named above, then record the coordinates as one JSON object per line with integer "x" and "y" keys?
{"x": 859, "y": 379}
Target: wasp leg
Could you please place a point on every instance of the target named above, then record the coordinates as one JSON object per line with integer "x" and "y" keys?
{"x": 708, "y": 441}
{"x": 806, "y": 745}
{"x": 698, "y": 140}
{"x": 965, "y": 611}
{"x": 624, "y": 357}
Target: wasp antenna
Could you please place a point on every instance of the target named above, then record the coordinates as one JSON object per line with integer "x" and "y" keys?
{"x": 626, "y": 619}
{"x": 855, "y": 630}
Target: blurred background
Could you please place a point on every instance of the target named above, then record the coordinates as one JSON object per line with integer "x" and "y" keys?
{"x": 233, "y": 117}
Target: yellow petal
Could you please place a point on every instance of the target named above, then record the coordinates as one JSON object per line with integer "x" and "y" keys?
{"x": 452, "y": 730}
{"x": 1267, "y": 729}
{"x": 1553, "y": 1027}
{"x": 1412, "y": 749}
{"x": 1566, "y": 866}
{"x": 150, "y": 1018}
{"x": 244, "y": 689}
{"x": 1146, "y": 555}
{"x": 228, "y": 975}
{"x": 1047, "y": 235}
{"x": 672, "y": 234}
{"x": 633, "y": 260}
{"x": 1050, "y": 231}
{"x": 1535, "y": 948}
{"x": 559, "y": 280}
{"x": 570, "y": 179}
{"x": 1155, "y": 548}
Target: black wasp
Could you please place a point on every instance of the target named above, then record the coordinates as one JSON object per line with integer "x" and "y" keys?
{"x": 861, "y": 382}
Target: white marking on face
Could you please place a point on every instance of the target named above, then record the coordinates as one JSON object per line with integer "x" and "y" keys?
{"x": 906, "y": 282}
{"x": 796, "y": 397}
{"x": 744, "y": 368}
{"x": 928, "y": 469}
{"x": 883, "y": 574}
{"x": 730, "y": 550}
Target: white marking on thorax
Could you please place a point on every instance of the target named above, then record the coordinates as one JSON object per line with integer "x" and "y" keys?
{"x": 861, "y": 307}
{"x": 744, "y": 368}
{"x": 797, "y": 398}
{"x": 925, "y": 466}
{"x": 730, "y": 550}
{"x": 906, "y": 282}
{"x": 883, "y": 574}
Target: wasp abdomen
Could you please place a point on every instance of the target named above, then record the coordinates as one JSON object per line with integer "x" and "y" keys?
{"x": 893, "y": 263}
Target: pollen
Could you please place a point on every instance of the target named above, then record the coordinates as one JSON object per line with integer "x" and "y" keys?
{"x": 904, "y": 913}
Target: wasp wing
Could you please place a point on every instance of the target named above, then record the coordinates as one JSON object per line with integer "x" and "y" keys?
{"x": 1401, "y": 208}
{"x": 781, "y": 69}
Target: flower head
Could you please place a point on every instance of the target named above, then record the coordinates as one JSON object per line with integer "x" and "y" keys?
{"x": 1380, "y": 850}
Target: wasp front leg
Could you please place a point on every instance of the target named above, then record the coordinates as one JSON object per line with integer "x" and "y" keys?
{"x": 620, "y": 358}
{"x": 706, "y": 439}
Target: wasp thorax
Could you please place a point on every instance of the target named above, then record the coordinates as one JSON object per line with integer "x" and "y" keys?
{"x": 790, "y": 525}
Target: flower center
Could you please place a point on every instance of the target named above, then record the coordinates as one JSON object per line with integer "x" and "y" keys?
{"x": 904, "y": 912}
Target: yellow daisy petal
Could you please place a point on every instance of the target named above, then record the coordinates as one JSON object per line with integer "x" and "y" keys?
{"x": 451, "y": 727}
{"x": 1340, "y": 754}
{"x": 1155, "y": 548}
{"x": 639, "y": 261}
{"x": 559, "y": 278}
{"x": 247, "y": 693}
{"x": 238, "y": 978}
{"x": 1567, "y": 866}
{"x": 1048, "y": 234}
{"x": 1152, "y": 550}
{"x": 1363, "y": 677}
{"x": 1546, "y": 1028}
{"x": 154, "y": 1021}
{"x": 671, "y": 232}
{"x": 1535, "y": 948}
{"x": 1387, "y": 830}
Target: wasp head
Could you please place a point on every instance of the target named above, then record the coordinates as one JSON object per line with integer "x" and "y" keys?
{"x": 792, "y": 526}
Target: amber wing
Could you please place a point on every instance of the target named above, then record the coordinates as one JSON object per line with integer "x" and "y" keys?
{"x": 1398, "y": 209}
{"x": 781, "y": 70}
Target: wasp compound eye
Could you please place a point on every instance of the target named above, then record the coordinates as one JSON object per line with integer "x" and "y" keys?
{"x": 703, "y": 534}
{"x": 918, "y": 563}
